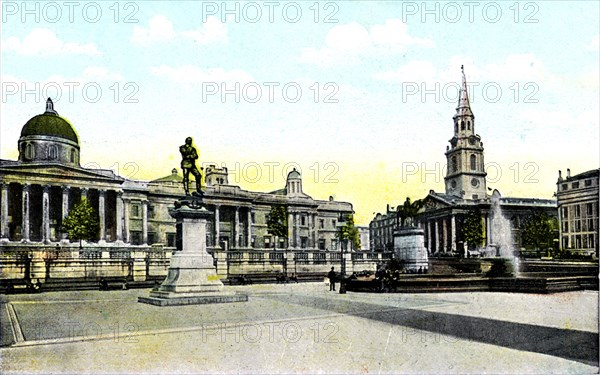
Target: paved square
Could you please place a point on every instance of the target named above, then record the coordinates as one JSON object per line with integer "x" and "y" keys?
{"x": 302, "y": 328}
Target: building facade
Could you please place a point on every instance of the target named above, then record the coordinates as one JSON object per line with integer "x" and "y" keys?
{"x": 443, "y": 214}
{"x": 38, "y": 190}
{"x": 578, "y": 199}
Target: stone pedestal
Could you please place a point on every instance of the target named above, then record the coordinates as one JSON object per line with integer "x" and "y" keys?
{"x": 192, "y": 276}
{"x": 409, "y": 246}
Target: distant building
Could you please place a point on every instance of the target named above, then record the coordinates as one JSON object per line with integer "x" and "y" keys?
{"x": 466, "y": 191}
{"x": 364, "y": 235}
{"x": 381, "y": 231}
{"x": 578, "y": 199}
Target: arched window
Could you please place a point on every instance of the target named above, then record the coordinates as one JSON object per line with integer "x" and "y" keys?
{"x": 462, "y": 125}
{"x": 29, "y": 151}
{"x": 52, "y": 152}
{"x": 456, "y": 127}
{"x": 468, "y": 125}
{"x": 72, "y": 156}
{"x": 454, "y": 164}
{"x": 473, "y": 162}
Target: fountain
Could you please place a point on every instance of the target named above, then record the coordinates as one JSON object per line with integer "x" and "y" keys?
{"x": 501, "y": 240}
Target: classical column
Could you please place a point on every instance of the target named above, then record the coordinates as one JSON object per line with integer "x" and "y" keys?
{"x": 217, "y": 226}
{"x": 249, "y": 243}
{"x": 119, "y": 218}
{"x": 102, "y": 213}
{"x": 453, "y": 232}
{"x": 297, "y": 225}
{"x": 310, "y": 231}
{"x": 25, "y": 219}
{"x": 4, "y": 212}
{"x": 488, "y": 230}
{"x": 314, "y": 230}
{"x": 290, "y": 230}
{"x": 144, "y": 222}
{"x": 445, "y": 234}
{"x": 65, "y": 201}
{"x": 46, "y": 214}
{"x": 126, "y": 212}
{"x": 428, "y": 228}
{"x": 236, "y": 228}
{"x": 437, "y": 235}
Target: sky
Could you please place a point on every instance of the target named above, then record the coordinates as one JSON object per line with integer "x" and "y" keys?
{"x": 356, "y": 95}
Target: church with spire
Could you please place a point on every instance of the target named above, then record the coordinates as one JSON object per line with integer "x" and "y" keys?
{"x": 443, "y": 214}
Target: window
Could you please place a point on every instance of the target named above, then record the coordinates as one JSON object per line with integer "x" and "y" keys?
{"x": 171, "y": 239}
{"x": 135, "y": 210}
{"x": 473, "y": 162}
{"x": 253, "y": 241}
{"x": 454, "y": 164}
{"x": 152, "y": 238}
{"x": 29, "y": 151}
{"x": 321, "y": 223}
{"x": 588, "y": 182}
{"x": 462, "y": 125}
{"x": 577, "y": 211}
{"x": 591, "y": 224}
{"x": 52, "y": 152}
{"x": 591, "y": 241}
{"x": 151, "y": 212}
{"x": 590, "y": 209}
{"x": 333, "y": 223}
{"x": 303, "y": 220}
{"x": 456, "y": 127}
{"x": 281, "y": 243}
{"x": 267, "y": 241}
{"x": 252, "y": 218}
{"x": 321, "y": 244}
{"x": 575, "y": 185}
{"x": 565, "y": 213}
{"x": 334, "y": 244}
{"x": 72, "y": 156}
{"x": 136, "y": 238}
{"x": 468, "y": 125}
{"x": 565, "y": 186}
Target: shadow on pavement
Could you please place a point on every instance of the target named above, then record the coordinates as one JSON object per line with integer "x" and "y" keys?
{"x": 574, "y": 345}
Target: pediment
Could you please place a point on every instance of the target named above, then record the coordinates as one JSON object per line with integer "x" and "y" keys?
{"x": 432, "y": 202}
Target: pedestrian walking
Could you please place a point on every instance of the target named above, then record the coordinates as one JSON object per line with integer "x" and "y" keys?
{"x": 331, "y": 275}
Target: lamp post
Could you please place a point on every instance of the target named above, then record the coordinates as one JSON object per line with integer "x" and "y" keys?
{"x": 343, "y": 243}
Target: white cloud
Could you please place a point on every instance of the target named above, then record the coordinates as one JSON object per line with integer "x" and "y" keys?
{"x": 160, "y": 29}
{"x": 594, "y": 44}
{"x": 213, "y": 31}
{"x": 44, "y": 42}
{"x": 345, "y": 43}
{"x": 100, "y": 73}
{"x": 193, "y": 74}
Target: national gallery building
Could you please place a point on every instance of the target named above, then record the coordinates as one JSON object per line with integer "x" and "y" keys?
{"x": 40, "y": 188}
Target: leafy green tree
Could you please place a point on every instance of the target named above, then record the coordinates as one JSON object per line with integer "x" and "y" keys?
{"x": 349, "y": 232}
{"x": 277, "y": 224}
{"x": 472, "y": 229}
{"x": 82, "y": 223}
{"x": 539, "y": 230}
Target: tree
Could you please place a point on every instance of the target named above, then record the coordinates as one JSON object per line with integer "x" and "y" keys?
{"x": 472, "y": 229}
{"x": 539, "y": 230}
{"x": 82, "y": 223}
{"x": 406, "y": 213}
{"x": 277, "y": 224}
{"x": 349, "y": 232}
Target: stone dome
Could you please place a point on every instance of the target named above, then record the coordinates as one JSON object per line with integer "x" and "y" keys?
{"x": 49, "y": 138}
{"x": 50, "y": 124}
{"x": 293, "y": 174}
